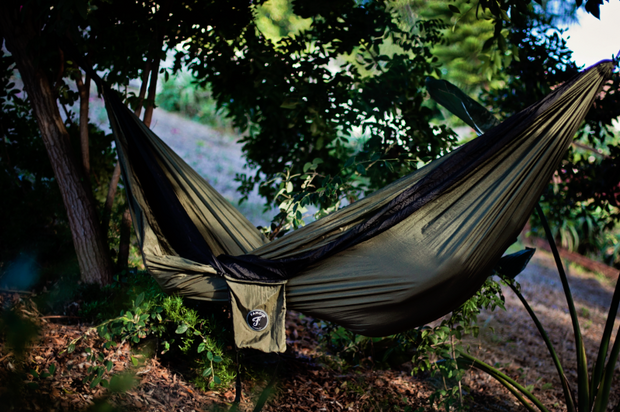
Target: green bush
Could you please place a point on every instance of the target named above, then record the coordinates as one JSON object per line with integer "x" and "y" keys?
{"x": 134, "y": 309}
{"x": 182, "y": 94}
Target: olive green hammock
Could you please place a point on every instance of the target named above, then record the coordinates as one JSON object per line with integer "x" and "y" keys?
{"x": 399, "y": 258}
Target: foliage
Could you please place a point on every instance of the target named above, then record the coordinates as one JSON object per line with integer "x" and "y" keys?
{"x": 146, "y": 313}
{"x": 34, "y": 221}
{"x": 439, "y": 348}
{"x": 593, "y": 392}
{"x": 181, "y": 94}
{"x": 348, "y": 69}
{"x": 436, "y": 350}
{"x": 582, "y": 200}
{"x": 593, "y": 388}
{"x": 301, "y": 99}
{"x": 466, "y": 56}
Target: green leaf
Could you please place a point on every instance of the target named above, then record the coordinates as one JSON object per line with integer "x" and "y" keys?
{"x": 95, "y": 382}
{"x": 210, "y": 355}
{"x": 510, "y": 266}
{"x": 461, "y": 105}
{"x": 201, "y": 347}
{"x": 182, "y": 329}
{"x": 109, "y": 365}
{"x": 207, "y": 372}
{"x": 217, "y": 380}
{"x": 134, "y": 361}
{"x": 349, "y": 161}
{"x": 52, "y": 368}
{"x": 217, "y": 359}
{"x": 139, "y": 299}
{"x": 122, "y": 383}
{"x": 70, "y": 348}
{"x": 454, "y": 9}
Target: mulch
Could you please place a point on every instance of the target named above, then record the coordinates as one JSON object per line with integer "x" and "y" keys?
{"x": 306, "y": 380}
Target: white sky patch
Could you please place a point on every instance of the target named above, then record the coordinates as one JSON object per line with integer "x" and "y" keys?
{"x": 593, "y": 40}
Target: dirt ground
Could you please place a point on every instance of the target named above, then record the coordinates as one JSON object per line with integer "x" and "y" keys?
{"x": 508, "y": 338}
{"x": 309, "y": 384}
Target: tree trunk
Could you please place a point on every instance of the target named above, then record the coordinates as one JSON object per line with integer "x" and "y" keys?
{"x": 150, "y": 100}
{"x": 109, "y": 201}
{"x": 123, "y": 248}
{"x": 145, "y": 80}
{"x": 20, "y": 31}
{"x": 84, "y": 89}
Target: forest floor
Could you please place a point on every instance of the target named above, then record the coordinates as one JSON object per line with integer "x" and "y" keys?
{"x": 307, "y": 379}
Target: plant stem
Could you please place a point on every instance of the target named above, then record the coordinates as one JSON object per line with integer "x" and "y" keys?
{"x": 457, "y": 368}
{"x": 602, "y": 398}
{"x": 516, "y": 393}
{"x": 597, "y": 374}
{"x": 506, "y": 381}
{"x": 568, "y": 393}
{"x": 583, "y": 388}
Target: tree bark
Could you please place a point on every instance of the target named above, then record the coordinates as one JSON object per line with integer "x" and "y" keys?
{"x": 84, "y": 89}
{"x": 109, "y": 201}
{"x": 150, "y": 100}
{"x": 123, "y": 248}
{"x": 145, "y": 80}
{"x": 20, "y": 31}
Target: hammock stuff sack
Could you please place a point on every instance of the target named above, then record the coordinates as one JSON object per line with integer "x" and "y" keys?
{"x": 399, "y": 258}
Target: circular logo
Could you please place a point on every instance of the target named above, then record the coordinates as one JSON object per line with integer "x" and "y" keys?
{"x": 257, "y": 319}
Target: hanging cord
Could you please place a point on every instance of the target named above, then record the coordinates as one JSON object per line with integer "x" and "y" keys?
{"x": 238, "y": 382}
{"x": 264, "y": 396}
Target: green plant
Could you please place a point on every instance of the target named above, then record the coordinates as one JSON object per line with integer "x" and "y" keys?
{"x": 435, "y": 350}
{"x": 439, "y": 348}
{"x": 592, "y": 390}
{"x": 176, "y": 327}
{"x": 181, "y": 93}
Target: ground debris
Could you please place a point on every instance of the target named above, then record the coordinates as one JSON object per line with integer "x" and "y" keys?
{"x": 55, "y": 378}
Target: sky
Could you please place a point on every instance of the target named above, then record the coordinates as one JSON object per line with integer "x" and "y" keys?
{"x": 593, "y": 40}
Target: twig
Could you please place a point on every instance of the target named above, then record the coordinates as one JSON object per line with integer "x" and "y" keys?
{"x": 60, "y": 317}
{"x": 23, "y": 292}
{"x": 6, "y": 356}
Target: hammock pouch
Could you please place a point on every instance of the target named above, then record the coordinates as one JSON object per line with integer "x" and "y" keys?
{"x": 258, "y": 312}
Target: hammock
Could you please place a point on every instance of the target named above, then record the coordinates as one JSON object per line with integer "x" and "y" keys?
{"x": 399, "y": 258}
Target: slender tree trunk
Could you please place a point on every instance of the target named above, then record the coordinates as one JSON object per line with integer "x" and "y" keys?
{"x": 107, "y": 208}
{"x": 123, "y": 256}
{"x": 145, "y": 80}
{"x": 20, "y": 31}
{"x": 150, "y": 100}
{"x": 84, "y": 89}
{"x": 123, "y": 248}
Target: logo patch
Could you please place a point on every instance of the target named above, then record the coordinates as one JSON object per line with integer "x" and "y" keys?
{"x": 257, "y": 319}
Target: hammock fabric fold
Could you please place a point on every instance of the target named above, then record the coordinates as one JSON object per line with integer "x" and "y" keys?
{"x": 399, "y": 258}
